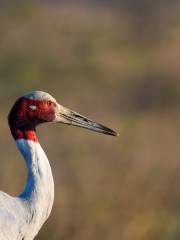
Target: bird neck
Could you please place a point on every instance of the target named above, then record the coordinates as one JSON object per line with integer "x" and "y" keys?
{"x": 39, "y": 188}
{"x": 28, "y": 133}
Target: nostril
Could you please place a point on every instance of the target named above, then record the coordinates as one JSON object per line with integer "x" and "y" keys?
{"x": 85, "y": 120}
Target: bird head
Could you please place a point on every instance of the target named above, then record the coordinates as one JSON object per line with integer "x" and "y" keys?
{"x": 39, "y": 107}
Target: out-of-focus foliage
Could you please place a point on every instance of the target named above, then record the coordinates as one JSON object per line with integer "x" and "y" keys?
{"x": 119, "y": 65}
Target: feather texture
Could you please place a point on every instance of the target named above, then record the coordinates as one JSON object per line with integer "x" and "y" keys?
{"x": 22, "y": 217}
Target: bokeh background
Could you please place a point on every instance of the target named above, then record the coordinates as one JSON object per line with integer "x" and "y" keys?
{"x": 117, "y": 62}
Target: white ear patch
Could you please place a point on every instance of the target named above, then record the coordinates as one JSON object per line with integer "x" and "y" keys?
{"x": 32, "y": 107}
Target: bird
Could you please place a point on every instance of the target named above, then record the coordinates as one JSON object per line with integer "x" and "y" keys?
{"x": 22, "y": 217}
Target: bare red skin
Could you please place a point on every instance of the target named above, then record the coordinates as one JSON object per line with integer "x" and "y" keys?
{"x": 23, "y": 120}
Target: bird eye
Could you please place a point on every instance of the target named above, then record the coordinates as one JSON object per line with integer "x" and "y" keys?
{"x": 46, "y": 102}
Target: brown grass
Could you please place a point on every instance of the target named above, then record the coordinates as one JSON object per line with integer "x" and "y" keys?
{"x": 92, "y": 61}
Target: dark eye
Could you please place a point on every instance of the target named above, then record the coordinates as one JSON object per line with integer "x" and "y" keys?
{"x": 47, "y": 103}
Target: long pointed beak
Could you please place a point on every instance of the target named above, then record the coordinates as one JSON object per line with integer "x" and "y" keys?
{"x": 67, "y": 116}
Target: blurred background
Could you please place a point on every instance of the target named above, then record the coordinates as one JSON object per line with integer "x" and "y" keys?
{"x": 117, "y": 62}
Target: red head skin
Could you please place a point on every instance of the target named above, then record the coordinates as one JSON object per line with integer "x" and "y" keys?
{"x": 26, "y": 114}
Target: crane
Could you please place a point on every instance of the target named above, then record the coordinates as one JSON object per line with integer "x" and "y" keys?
{"x": 22, "y": 217}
